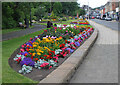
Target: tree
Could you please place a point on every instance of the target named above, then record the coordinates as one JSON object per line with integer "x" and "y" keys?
{"x": 69, "y": 8}
{"x": 57, "y": 8}
{"x": 40, "y": 12}
{"x": 80, "y": 12}
{"x": 7, "y": 15}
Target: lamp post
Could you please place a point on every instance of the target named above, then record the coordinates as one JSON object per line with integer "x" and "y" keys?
{"x": 88, "y": 10}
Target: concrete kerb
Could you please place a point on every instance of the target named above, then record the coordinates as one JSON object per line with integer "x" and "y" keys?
{"x": 66, "y": 70}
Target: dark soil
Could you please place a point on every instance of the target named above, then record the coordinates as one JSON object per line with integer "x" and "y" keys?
{"x": 36, "y": 74}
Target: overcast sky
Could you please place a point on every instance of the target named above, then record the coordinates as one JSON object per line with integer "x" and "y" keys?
{"x": 92, "y": 3}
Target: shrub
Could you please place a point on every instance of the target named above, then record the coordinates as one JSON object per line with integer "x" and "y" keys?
{"x": 64, "y": 19}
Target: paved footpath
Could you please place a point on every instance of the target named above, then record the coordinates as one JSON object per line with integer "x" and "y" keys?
{"x": 22, "y": 32}
{"x": 101, "y": 63}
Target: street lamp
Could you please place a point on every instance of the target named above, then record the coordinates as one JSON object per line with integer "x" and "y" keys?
{"x": 88, "y": 10}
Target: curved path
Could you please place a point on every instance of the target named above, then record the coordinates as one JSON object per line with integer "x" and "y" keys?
{"x": 101, "y": 63}
{"x": 22, "y": 32}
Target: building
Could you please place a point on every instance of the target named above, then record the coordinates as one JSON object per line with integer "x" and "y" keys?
{"x": 111, "y": 8}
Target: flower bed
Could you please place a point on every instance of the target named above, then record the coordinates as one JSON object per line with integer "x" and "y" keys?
{"x": 80, "y": 22}
{"x": 44, "y": 50}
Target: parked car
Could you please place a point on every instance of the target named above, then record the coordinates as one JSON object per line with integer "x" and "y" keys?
{"x": 108, "y": 19}
{"x": 98, "y": 17}
{"x": 93, "y": 17}
{"x": 103, "y": 18}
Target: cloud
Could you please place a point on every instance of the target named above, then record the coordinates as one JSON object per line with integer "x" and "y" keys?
{"x": 93, "y": 3}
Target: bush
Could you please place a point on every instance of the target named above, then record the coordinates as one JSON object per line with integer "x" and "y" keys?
{"x": 64, "y": 19}
{"x": 8, "y": 23}
{"x": 70, "y": 17}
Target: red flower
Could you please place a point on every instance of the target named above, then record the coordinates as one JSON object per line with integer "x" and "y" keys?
{"x": 62, "y": 45}
{"x": 45, "y": 30}
{"x": 31, "y": 57}
{"x": 30, "y": 38}
{"x": 50, "y": 54}
{"x": 65, "y": 41}
{"x": 36, "y": 58}
{"x": 44, "y": 55}
{"x": 48, "y": 57}
{"x": 27, "y": 49}
{"x": 30, "y": 41}
{"x": 41, "y": 58}
{"x": 53, "y": 52}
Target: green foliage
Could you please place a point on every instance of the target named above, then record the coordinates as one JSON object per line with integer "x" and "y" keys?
{"x": 15, "y": 12}
{"x": 64, "y": 19}
{"x": 80, "y": 12}
{"x": 40, "y": 12}
{"x": 57, "y": 8}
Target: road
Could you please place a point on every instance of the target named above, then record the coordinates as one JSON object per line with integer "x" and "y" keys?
{"x": 114, "y": 25}
{"x": 101, "y": 63}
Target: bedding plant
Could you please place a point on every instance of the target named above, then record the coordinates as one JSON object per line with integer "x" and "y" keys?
{"x": 45, "y": 49}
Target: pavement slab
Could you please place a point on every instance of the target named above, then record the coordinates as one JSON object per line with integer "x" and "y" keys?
{"x": 101, "y": 63}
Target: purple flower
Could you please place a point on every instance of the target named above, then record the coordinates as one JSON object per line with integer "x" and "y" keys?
{"x": 71, "y": 50}
{"x": 28, "y": 43}
{"x": 53, "y": 37}
{"x": 77, "y": 43}
{"x": 28, "y": 61}
{"x": 23, "y": 53}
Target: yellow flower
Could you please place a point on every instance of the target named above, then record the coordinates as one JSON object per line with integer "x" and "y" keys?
{"x": 34, "y": 45}
{"x": 37, "y": 50}
{"x": 33, "y": 54}
{"x": 60, "y": 38}
{"x": 47, "y": 48}
{"x": 38, "y": 53}
{"x": 47, "y": 40}
{"x": 52, "y": 41}
{"x": 41, "y": 51}
{"x": 33, "y": 50}
{"x": 57, "y": 38}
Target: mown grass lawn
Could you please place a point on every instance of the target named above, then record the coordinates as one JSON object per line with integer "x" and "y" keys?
{"x": 8, "y": 47}
{"x": 5, "y": 31}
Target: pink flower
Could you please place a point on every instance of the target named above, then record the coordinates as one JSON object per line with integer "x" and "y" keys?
{"x": 44, "y": 64}
{"x": 60, "y": 28}
{"x": 53, "y": 37}
{"x": 50, "y": 67}
{"x": 55, "y": 27}
{"x": 22, "y": 46}
{"x": 64, "y": 54}
{"x": 64, "y": 25}
{"x": 22, "y": 50}
{"x": 66, "y": 31}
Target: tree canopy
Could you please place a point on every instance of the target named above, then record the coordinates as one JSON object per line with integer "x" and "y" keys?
{"x": 15, "y": 12}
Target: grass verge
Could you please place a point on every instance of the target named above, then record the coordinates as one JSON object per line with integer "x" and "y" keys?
{"x": 5, "y": 31}
{"x": 8, "y": 47}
